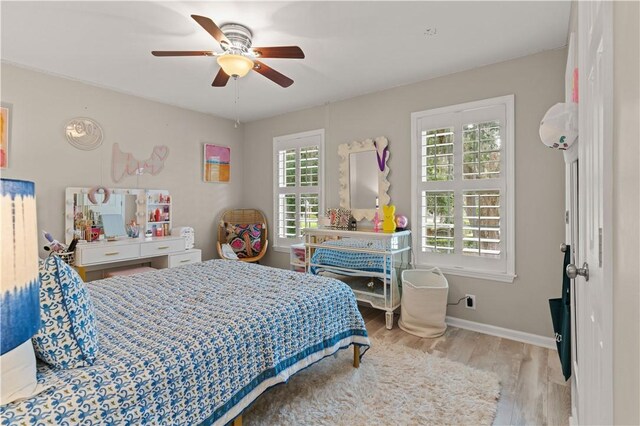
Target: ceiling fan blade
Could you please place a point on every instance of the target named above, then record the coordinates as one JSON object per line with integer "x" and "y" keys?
{"x": 289, "y": 52}
{"x": 221, "y": 79}
{"x": 212, "y": 29}
{"x": 182, "y": 53}
{"x": 272, "y": 74}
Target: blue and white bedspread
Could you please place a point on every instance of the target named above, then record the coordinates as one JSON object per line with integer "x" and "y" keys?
{"x": 195, "y": 345}
{"x": 361, "y": 261}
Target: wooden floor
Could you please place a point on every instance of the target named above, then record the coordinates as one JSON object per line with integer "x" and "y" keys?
{"x": 533, "y": 391}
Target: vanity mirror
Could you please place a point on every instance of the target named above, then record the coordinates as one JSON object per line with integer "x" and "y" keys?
{"x": 363, "y": 176}
{"x": 86, "y": 207}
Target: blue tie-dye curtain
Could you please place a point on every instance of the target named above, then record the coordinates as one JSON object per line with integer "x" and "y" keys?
{"x": 20, "y": 282}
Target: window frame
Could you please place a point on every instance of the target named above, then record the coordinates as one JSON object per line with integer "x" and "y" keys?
{"x": 458, "y": 263}
{"x": 295, "y": 141}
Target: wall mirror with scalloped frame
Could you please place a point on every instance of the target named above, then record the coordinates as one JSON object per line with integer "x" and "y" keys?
{"x": 363, "y": 176}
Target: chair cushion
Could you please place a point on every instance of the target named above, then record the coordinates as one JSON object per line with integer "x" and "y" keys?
{"x": 67, "y": 338}
{"x": 245, "y": 240}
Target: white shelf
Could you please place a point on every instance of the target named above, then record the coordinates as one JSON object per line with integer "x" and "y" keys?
{"x": 152, "y": 204}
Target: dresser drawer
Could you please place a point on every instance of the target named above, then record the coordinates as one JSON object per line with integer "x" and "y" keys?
{"x": 93, "y": 255}
{"x": 160, "y": 248}
{"x": 185, "y": 258}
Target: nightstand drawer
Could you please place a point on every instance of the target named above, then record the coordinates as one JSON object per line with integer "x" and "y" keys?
{"x": 185, "y": 258}
{"x": 160, "y": 248}
{"x": 91, "y": 255}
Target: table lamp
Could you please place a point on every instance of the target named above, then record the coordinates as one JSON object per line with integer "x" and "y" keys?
{"x": 19, "y": 288}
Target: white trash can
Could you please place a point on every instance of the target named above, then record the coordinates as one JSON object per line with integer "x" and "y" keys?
{"x": 424, "y": 302}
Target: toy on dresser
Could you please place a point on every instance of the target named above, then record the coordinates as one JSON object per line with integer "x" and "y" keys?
{"x": 187, "y": 233}
{"x": 389, "y": 223}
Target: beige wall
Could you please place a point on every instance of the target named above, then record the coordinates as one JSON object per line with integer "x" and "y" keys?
{"x": 537, "y": 82}
{"x": 42, "y": 104}
{"x": 626, "y": 232}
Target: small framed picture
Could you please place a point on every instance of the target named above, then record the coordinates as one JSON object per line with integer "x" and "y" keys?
{"x": 5, "y": 134}
{"x": 217, "y": 163}
{"x": 339, "y": 218}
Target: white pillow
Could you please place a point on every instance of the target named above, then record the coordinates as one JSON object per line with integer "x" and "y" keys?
{"x": 18, "y": 372}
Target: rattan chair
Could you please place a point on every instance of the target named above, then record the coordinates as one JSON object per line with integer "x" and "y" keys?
{"x": 243, "y": 217}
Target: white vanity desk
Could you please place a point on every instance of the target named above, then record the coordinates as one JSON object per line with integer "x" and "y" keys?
{"x": 161, "y": 252}
{"x": 150, "y": 208}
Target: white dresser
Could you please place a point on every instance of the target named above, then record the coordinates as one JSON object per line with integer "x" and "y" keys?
{"x": 371, "y": 254}
{"x": 161, "y": 252}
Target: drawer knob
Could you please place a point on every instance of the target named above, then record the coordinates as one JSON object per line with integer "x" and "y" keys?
{"x": 184, "y": 260}
{"x": 111, "y": 253}
{"x": 163, "y": 247}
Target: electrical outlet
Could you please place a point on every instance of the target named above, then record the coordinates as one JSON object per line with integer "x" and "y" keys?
{"x": 470, "y": 303}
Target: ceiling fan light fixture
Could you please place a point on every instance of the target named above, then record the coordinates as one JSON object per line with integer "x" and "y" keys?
{"x": 235, "y": 65}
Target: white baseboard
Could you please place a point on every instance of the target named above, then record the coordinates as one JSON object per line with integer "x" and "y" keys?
{"x": 520, "y": 336}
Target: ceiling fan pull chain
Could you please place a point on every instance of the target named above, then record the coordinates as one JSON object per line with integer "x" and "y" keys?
{"x": 237, "y": 101}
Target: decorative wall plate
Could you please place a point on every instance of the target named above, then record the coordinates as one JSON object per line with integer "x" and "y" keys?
{"x": 84, "y": 133}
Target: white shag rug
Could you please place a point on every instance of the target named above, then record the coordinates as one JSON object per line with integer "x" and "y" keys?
{"x": 394, "y": 385}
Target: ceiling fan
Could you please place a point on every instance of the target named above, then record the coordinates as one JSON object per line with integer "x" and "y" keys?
{"x": 238, "y": 56}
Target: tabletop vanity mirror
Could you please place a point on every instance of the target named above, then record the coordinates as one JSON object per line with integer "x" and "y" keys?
{"x": 363, "y": 176}
{"x": 89, "y": 209}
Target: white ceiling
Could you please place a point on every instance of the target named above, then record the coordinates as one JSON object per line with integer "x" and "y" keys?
{"x": 351, "y": 48}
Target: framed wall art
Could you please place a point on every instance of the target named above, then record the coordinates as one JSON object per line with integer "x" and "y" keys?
{"x": 217, "y": 163}
{"x": 5, "y": 134}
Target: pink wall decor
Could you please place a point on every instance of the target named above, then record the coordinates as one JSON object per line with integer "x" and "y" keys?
{"x": 124, "y": 163}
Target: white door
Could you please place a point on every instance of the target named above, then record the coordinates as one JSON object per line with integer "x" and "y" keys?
{"x": 593, "y": 296}
{"x": 571, "y": 236}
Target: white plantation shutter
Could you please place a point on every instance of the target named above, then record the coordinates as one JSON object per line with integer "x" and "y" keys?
{"x": 309, "y": 211}
{"x": 286, "y": 168}
{"x": 287, "y": 216}
{"x": 437, "y": 154}
{"x": 481, "y": 223}
{"x": 462, "y": 185}
{"x": 437, "y": 218}
{"x": 298, "y": 182}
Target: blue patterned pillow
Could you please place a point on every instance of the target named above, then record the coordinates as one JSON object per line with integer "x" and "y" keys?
{"x": 67, "y": 338}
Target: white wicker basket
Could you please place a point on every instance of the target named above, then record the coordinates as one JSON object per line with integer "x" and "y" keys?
{"x": 424, "y": 302}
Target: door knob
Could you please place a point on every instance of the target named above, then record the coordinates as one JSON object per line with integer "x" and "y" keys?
{"x": 573, "y": 271}
{"x": 563, "y": 247}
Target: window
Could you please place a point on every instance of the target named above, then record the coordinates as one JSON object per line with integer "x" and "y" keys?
{"x": 298, "y": 183}
{"x": 463, "y": 188}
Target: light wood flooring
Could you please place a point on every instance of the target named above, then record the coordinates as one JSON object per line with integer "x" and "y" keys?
{"x": 533, "y": 391}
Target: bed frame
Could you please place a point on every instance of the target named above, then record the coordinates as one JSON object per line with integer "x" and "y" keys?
{"x": 356, "y": 364}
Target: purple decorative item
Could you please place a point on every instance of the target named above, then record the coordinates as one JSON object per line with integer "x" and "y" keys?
{"x": 381, "y": 159}
{"x": 402, "y": 221}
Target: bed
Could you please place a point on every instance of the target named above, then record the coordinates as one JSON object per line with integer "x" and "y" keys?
{"x": 195, "y": 345}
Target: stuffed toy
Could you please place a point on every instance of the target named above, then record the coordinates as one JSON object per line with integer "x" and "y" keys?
{"x": 54, "y": 245}
{"x": 389, "y": 224}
